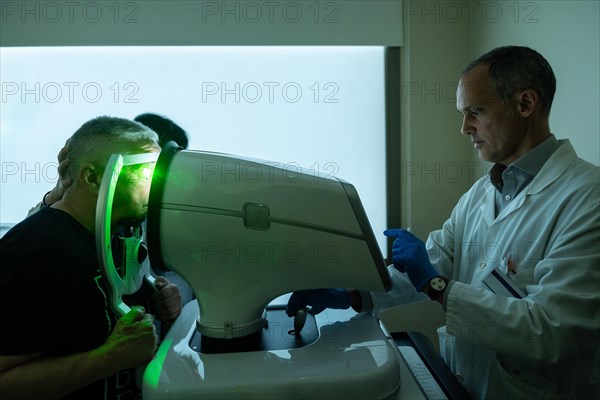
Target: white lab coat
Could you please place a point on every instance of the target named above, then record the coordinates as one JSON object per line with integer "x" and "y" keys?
{"x": 546, "y": 343}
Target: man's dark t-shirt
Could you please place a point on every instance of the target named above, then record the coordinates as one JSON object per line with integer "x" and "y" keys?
{"x": 53, "y": 297}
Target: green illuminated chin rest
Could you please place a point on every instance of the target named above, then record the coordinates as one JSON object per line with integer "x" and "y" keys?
{"x": 135, "y": 272}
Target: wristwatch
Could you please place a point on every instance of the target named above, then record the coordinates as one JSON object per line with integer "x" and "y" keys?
{"x": 436, "y": 287}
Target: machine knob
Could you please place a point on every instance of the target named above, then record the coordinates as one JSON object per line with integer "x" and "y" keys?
{"x": 299, "y": 321}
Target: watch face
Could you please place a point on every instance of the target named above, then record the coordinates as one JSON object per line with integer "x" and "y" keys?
{"x": 437, "y": 284}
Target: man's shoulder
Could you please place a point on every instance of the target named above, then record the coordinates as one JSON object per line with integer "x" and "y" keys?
{"x": 567, "y": 181}
{"x": 573, "y": 165}
{"x": 46, "y": 227}
{"x": 574, "y": 171}
{"x": 585, "y": 170}
{"x": 582, "y": 180}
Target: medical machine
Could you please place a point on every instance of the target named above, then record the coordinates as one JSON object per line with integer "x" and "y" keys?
{"x": 244, "y": 233}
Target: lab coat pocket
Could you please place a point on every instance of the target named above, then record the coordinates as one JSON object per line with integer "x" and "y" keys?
{"x": 524, "y": 277}
{"x": 504, "y": 385}
{"x": 445, "y": 350}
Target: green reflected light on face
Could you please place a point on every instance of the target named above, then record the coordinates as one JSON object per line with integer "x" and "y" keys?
{"x": 147, "y": 173}
{"x": 133, "y": 174}
{"x": 132, "y": 192}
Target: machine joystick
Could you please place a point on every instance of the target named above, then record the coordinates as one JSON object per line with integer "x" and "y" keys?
{"x": 299, "y": 321}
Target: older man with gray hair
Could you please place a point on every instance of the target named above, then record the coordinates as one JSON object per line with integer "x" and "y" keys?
{"x": 59, "y": 337}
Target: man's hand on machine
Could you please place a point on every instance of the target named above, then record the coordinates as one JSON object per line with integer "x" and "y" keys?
{"x": 317, "y": 300}
{"x": 409, "y": 255}
{"x": 166, "y": 301}
{"x": 63, "y": 182}
{"x": 132, "y": 342}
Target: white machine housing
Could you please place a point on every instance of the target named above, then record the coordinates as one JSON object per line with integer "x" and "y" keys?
{"x": 242, "y": 232}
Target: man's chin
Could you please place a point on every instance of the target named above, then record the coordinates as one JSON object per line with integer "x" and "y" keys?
{"x": 133, "y": 221}
{"x": 128, "y": 220}
{"x": 483, "y": 155}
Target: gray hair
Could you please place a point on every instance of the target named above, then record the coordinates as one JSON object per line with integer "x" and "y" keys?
{"x": 97, "y": 139}
{"x": 516, "y": 68}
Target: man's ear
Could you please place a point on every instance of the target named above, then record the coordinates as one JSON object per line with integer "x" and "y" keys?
{"x": 528, "y": 102}
{"x": 91, "y": 178}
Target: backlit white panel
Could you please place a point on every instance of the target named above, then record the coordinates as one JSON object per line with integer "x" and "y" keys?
{"x": 319, "y": 108}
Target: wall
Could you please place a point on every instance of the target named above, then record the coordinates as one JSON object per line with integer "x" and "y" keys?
{"x": 433, "y": 150}
{"x": 436, "y": 158}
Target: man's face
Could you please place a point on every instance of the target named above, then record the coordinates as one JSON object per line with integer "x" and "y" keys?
{"x": 132, "y": 193}
{"x": 496, "y": 129}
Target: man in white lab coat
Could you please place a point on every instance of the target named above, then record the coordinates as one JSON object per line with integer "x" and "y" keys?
{"x": 517, "y": 265}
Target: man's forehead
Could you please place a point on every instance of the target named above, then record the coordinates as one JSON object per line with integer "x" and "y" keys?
{"x": 475, "y": 79}
{"x": 473, "y": 87}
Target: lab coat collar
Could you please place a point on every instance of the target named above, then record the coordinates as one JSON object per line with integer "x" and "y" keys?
{"x": 550, "y": 171}
{"x": 553, "y": 168}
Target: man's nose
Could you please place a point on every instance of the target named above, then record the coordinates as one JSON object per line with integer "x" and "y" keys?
{"x": 466, "y": 127}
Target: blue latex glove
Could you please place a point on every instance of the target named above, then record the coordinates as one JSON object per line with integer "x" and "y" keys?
{"x": 410, "y": 256}
{"x": 318, "y": 300}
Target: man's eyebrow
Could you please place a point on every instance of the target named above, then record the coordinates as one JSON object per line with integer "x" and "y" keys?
{"x": 470, "y": 108}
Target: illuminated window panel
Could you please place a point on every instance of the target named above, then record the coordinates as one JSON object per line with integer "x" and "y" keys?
{"x": 317, "y": 108}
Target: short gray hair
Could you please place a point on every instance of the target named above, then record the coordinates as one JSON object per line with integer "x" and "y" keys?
{"x": 97, "y": 139}
{"x": 516, "y": 68}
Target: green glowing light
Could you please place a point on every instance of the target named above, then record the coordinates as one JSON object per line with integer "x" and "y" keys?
{"x": 147, "y": 172}
{"x": 137, "y": 173}
{"x": 152, "y": 373}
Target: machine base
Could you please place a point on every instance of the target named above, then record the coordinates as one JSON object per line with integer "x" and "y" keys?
{"x": 352, "y": 358}
{"x": 274, "y": 336}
